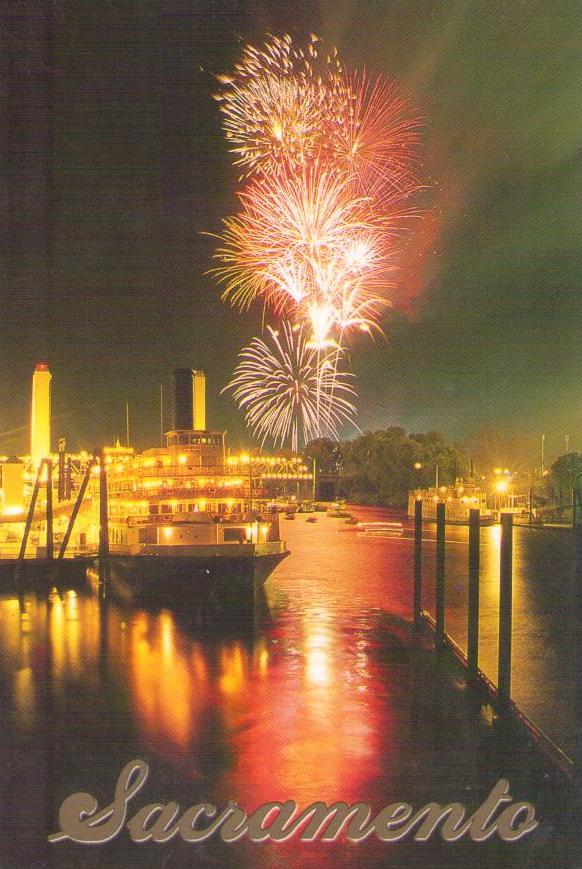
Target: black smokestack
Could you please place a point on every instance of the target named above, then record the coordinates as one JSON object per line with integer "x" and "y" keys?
{"x": 183, "y": 394}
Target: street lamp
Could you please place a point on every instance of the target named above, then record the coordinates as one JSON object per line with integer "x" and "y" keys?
{"x": 501, "y": 489}
{"x": 417, "y": 466}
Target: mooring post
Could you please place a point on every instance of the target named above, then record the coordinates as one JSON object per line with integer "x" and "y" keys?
{"x": 49, "y": 509}
{"x": 68, "y": 478}
{"x": 440, "y": 575}
{"x": 505, "y": 607}
{"x": 578, "y": 657}
{"x": 473, "y": 615}
{"x": 61, "y": 480}
{"x": 103, "y": 521}
{"x": 417, "y": 602}
{"x": 574, "y": 507}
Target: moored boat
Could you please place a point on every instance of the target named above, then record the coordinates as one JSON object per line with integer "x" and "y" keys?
{"x": 459, "y": 500}
{"x": 193, "y": 558}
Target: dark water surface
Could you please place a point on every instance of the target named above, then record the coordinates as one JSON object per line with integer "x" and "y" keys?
{"x": 306, "y": 704}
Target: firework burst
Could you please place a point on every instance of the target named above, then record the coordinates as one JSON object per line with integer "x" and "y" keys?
{"x": 328, "y": 157}
{"x": 371, "y": 136}
{"x": 289, "y": 391}
{"x": 305, "y": 242}
{"x": 275, "y": 104}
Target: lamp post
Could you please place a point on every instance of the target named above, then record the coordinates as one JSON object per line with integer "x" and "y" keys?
{"x": 417, "y": 468}
{"x": 501, "y": 489}
{"x": 313, "y": 481}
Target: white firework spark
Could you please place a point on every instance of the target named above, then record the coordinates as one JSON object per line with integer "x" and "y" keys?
{"x": 291, "y": 391}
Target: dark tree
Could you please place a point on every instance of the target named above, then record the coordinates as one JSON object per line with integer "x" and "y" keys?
{"x": 567, "y": 471}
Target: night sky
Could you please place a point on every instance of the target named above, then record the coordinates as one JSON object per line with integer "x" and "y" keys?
{"x": 113, "y": 164}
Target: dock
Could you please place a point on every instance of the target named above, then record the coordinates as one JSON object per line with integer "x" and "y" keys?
{"x": 42, "y": 571}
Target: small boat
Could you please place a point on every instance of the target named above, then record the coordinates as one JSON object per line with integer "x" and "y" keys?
{"x": 306, "y": 507}
{"x": 381, "y": 529}
{"x": 311, "y": 519}
{"x": 289, "y": 515}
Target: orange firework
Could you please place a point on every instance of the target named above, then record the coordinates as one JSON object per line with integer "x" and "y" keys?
{"x": 372, "y": 136}
{"x": 305, "y": 245}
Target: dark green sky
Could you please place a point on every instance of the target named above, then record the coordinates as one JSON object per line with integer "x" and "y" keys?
{"x": 113, "y": 163}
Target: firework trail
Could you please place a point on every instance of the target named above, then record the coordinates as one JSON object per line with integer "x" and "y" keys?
{"x": 290, "y": 391}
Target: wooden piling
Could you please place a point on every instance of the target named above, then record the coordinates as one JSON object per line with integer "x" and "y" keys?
{"x": 49, "y": 509}
{"x": 61, "y": 480}
{"x": 417, "y": 601}
{"x": 578, "y": 658}
{"x": 103, "y": 521}
{"x": 505, "y": 607}
{"x": 68, "y": 478}
{"x": 440, "y": 576}
{"x": 473, "y": 614}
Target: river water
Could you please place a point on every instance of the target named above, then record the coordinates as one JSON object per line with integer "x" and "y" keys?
{"x": 294, "y": 705}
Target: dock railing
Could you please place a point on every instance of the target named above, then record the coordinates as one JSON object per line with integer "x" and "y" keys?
{"x": 500, "y": 693}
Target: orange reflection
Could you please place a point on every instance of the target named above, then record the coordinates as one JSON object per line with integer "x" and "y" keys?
{"x": 56, "y": 616}
{"x": 233, "y": 666}
{"x": 261, "y": 656}
{"x": 65, "y": 633}
{"x": 24, "y": 695}
{"x": 164, "y": 683}
{"x": 317, "y": 653}
{"x": 318, "y": 731}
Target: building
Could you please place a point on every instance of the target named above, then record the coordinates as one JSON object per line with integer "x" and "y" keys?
{"x": 12, "y": 486}
{"x": 40, "y": 415}
{"x": 190, "y": 475}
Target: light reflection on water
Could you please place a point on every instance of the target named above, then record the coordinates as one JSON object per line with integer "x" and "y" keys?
{"x": 306, "y": 706}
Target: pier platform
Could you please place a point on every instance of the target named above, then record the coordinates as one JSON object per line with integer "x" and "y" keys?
{"x": 43, "y": 571}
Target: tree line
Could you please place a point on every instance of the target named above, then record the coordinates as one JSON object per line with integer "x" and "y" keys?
{"x": 380, "y": 467}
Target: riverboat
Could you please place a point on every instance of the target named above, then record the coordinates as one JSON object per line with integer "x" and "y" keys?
{"x": 193, "y": 557}
{"x": 458, "y": 500}
{"x": 185, "y": 517}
